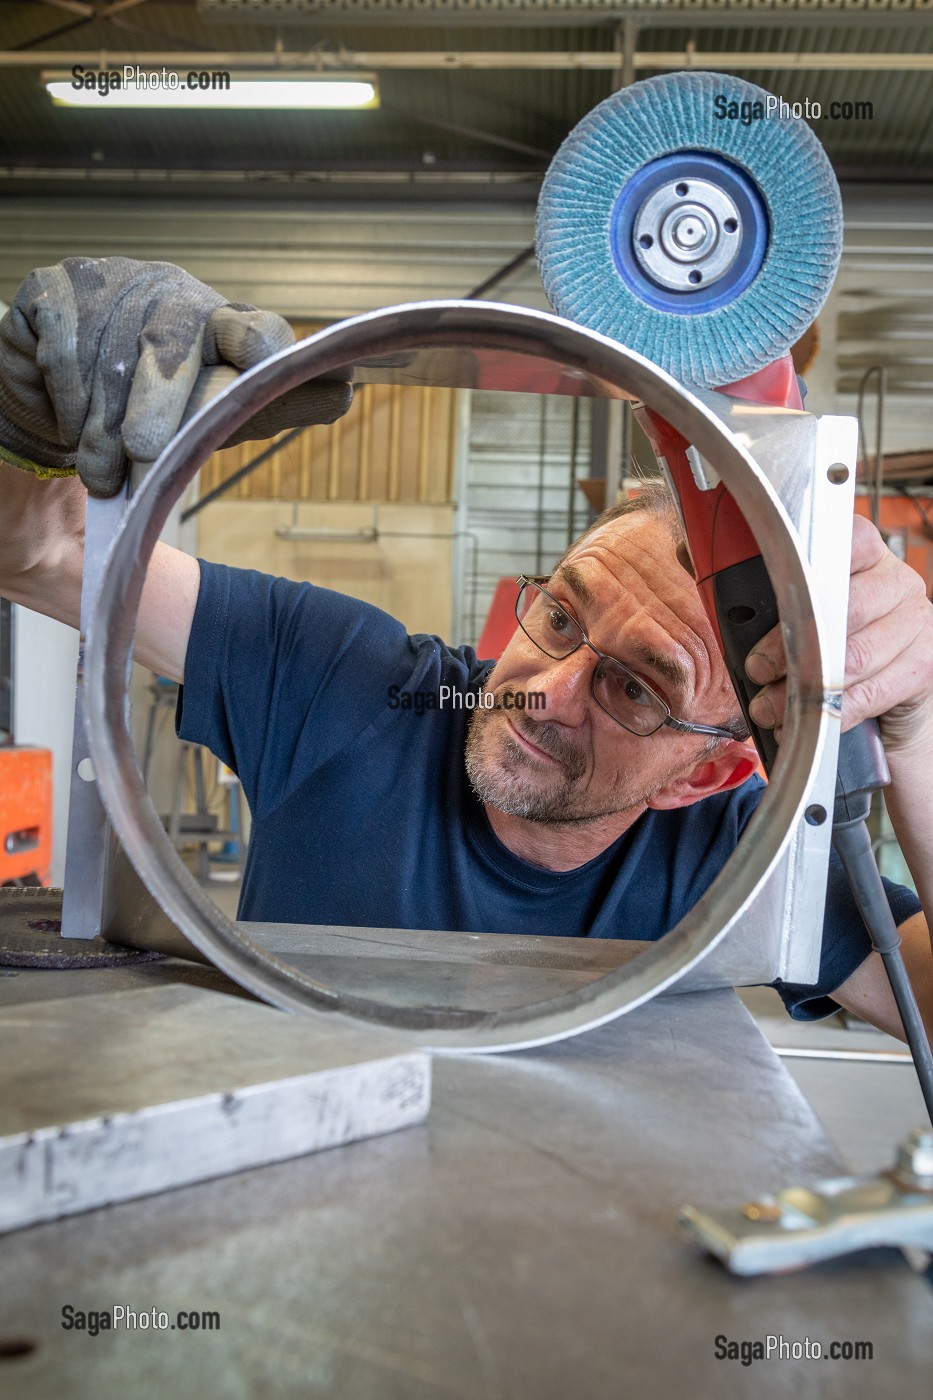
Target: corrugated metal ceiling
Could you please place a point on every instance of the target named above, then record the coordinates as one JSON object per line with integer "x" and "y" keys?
{"x": 437, "y": 127}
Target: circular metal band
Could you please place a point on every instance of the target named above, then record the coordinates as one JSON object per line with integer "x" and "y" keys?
{"x": 613, "y": 370}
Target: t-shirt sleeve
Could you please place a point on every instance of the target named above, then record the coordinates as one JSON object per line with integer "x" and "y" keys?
{"x": 279, "y": 676}
{"x": 846, "y": 944}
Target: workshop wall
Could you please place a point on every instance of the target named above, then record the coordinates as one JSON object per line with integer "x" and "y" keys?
{"x": 325, "y": 261}
{"x": 406, "y": 569}
{"x": 314, "y": 261}
{"x": 881, "y": 312}
{"x": 396, "y": 443}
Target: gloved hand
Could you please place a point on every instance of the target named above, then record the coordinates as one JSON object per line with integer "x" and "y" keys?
{"x": 98, "y": 357}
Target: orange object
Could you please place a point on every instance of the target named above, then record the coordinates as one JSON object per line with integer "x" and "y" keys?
{"x": 25, "y": 813}
{"x": 905, "y": 517}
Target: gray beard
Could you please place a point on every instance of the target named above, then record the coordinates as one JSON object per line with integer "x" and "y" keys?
{"x": 506, "y": 784}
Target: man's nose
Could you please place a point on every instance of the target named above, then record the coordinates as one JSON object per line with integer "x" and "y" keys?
{"x": 567, "y": 684}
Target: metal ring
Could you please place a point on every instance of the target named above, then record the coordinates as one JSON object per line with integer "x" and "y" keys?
{"x": 466, "y": 325}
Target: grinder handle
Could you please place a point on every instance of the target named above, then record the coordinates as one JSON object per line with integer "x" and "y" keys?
{"x": 743, "y": 603}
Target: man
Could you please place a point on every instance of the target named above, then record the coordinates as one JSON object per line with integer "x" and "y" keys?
{"x": 591, "y": 817}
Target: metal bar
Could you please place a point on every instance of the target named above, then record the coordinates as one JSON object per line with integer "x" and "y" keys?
{"x": 74, "y": 7}
{"x": 87, "y": 901}
{"x": 424, "y": 446}
{"x": 607, "y": 445}
{"x": 601, "y": 60}
{"x": 366, "y": 446}
{"x": 874, "y": 486}
{"x": 333, "y": 462}
{"x": 305, "y": 174}
{"x": 572, "y": 475}
{"x": 887, "y": 1057}
{"x": 216, "y": 1085}
{"x": 395, "y": 444}
{"x": 6, "y": 670}
{"x": 309, "y": 534}
{"x": 507, "y": 268}
{"x": 626, "y": 45}
{"x": 200, "y": 798}
{"x": 776, "y": 14}
{"x": 458, "y": 129}
{"x": 51, "y": 34}
{"x": 879, "y": 435}
{"x": 116, "y": 7}
{"x": 239, "y": 474}
{"x": 89, "y": 837}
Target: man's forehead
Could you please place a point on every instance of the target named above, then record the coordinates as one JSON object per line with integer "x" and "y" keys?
{"x": 637, "y": 553}
{"x": 625, "y": 542}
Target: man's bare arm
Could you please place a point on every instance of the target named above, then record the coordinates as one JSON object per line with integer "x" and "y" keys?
{"x": 867, "y": 993}
{"x": 909, "y": 801}
{"x": 41, "y": 560}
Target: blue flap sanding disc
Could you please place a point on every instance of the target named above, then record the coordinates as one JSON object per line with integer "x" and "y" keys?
{"x": 687, "y": 220}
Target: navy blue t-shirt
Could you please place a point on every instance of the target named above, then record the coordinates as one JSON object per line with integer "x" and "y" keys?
{"x": 363, "y": 815}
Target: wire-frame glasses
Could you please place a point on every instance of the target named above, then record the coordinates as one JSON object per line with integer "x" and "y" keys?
{"x": 624, "y": 696}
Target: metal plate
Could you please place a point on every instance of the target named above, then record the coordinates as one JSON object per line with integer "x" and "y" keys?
{"x": 126, "y": 1094}
{"x": 520, "y": 1246}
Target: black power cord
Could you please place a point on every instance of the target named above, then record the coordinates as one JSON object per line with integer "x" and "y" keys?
{"x": 862, "y": 771}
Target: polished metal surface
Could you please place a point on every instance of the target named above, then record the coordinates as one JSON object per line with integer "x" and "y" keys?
{"x": 89, "y": 843}
{"x": 476, "y": 973}
{"x": 520, "y": 1245}
{"x": 476, "y": 366}
{"x": 782, "y": 933}
{"x": 108, "y": 1097}
{"x": 90, "y": 848}
{"x": 482, "y": 330}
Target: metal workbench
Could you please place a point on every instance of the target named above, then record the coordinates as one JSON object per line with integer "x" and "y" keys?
{"x": 520, "y": 1245}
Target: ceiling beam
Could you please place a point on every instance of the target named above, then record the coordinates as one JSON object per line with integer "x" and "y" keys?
{"x": 74, "y": 7}
{"x": 595, "y": 14}
{"x": 604, "y": 60}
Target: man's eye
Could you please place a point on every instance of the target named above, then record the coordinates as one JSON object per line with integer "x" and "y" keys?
{"x": 558, "y": 621}
{"x": 636, "y": 692}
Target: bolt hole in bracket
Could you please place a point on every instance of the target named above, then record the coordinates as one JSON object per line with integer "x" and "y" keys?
{"x": 775, "y": 462}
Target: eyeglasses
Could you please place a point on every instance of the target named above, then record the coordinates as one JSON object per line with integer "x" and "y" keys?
{"x": 617, "y": 690}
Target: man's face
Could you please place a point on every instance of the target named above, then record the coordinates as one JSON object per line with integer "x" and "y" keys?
{"x": 571, "y": 762}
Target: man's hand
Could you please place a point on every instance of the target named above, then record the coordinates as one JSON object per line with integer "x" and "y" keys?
{"x": 889, "y": 649}
{"x": 98, "y": 357}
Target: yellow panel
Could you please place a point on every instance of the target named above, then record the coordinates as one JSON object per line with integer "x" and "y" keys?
{"x": 396, "y": 443}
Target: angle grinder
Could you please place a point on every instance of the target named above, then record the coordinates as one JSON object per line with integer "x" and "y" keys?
{"x": 709, "y": 245}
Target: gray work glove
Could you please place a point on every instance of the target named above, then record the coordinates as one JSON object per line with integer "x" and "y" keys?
{"x": 98, "y": 357}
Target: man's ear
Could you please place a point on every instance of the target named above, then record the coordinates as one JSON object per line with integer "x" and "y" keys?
{"x": 727, "y": 768}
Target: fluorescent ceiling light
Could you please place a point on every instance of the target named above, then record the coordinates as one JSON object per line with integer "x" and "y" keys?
{"x": 109, "y": 88}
